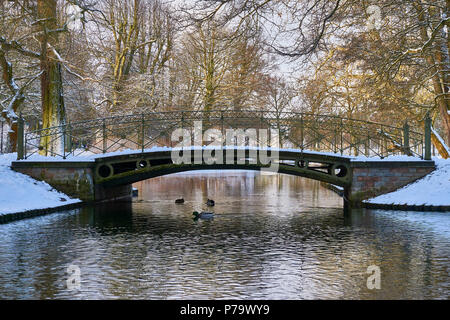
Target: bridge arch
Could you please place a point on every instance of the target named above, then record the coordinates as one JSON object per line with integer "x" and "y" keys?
{"x": 109, "y": 177}
{"x": 322, "y": 147}
{"x": 126, "y": 169}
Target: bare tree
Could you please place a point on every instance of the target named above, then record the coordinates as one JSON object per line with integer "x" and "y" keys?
{"x": 293, "y": 28}
{"x": 134, "y": 40}
{"x": 35, "y": 37}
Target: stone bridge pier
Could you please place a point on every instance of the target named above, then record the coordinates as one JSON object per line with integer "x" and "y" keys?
{"x": 374, "y": 178}
{"x": 76, "y": 179}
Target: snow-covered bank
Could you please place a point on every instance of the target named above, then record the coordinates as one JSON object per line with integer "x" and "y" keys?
{"x": 19, "y": 192}
{"x": 432, "y": 190}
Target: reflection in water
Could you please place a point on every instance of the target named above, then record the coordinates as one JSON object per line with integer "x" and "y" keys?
{"x": 272, "y": 237}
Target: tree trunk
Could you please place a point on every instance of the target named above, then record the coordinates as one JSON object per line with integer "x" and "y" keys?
{"x": 11, "y": 143}
{"x": 437, "y": 62}
{"x": 10, "y": 113}
{"x": 443, "y": 63}
{"x": 53, "y": 111}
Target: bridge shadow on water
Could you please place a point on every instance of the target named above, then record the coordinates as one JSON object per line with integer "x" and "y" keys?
{"x": 239, "y": 194}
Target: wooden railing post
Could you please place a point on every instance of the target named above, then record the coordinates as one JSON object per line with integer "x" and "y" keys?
{"x": 20, "y": 138}
{"x": 143, "y": 133}
{"x": 105, "y": 141}
{"x": 342, "y": 137}
{"x": 406, "y": 149}
{"x": 1, "y": 136}
{"x": 427, "y": 135}
{"x": 64, "y": 137}
{"x": 69, "y": 139}
{"x": 302, "y": 132}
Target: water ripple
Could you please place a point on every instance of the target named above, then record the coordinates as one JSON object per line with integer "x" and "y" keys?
{"x": 277, "y": 238}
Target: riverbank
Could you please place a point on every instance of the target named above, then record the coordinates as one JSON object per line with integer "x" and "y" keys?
{"x": 23, "y": 195}
{"x": 427, "y": 194}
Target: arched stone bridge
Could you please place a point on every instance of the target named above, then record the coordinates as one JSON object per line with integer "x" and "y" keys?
{"x": 88, "y": 160}
{"x": 110, "y": 176}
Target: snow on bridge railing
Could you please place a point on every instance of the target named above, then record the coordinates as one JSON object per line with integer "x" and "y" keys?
{"x": 303, "y": 131}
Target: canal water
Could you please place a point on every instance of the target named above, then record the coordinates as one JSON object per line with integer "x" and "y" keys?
{"x": 272, "y": 237}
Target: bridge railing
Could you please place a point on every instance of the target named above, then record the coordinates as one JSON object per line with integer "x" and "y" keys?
{"x": 326, "y": 133}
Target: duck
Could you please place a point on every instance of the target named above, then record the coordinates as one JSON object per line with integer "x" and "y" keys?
{"x": 203, "y": 215}
{"x": 210, "y": 203}
{"x": 179, "y": 200}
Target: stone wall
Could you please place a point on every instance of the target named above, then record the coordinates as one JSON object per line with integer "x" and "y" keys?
{"x": 76, "y": 179}
{"x": 370, "y": 179}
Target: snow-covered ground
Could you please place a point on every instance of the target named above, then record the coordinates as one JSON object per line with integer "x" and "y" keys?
{"x": 434, "y": 189}
{"x": 19, "y": 192}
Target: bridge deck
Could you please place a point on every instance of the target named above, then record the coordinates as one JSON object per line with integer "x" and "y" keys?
{"x": 108, "y": 176}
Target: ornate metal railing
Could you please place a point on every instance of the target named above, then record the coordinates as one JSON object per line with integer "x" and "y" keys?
{"x": 326, "y": 133}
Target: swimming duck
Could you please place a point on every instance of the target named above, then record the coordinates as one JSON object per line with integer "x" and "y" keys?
{"x": 210, "y": 203}
{"x": 203, "y": 215}
{"x": 179, "y": 200}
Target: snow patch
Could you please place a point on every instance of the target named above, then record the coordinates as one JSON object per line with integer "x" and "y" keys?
{"x": 433, "y": 189}
{"x": 19, "y": 192}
